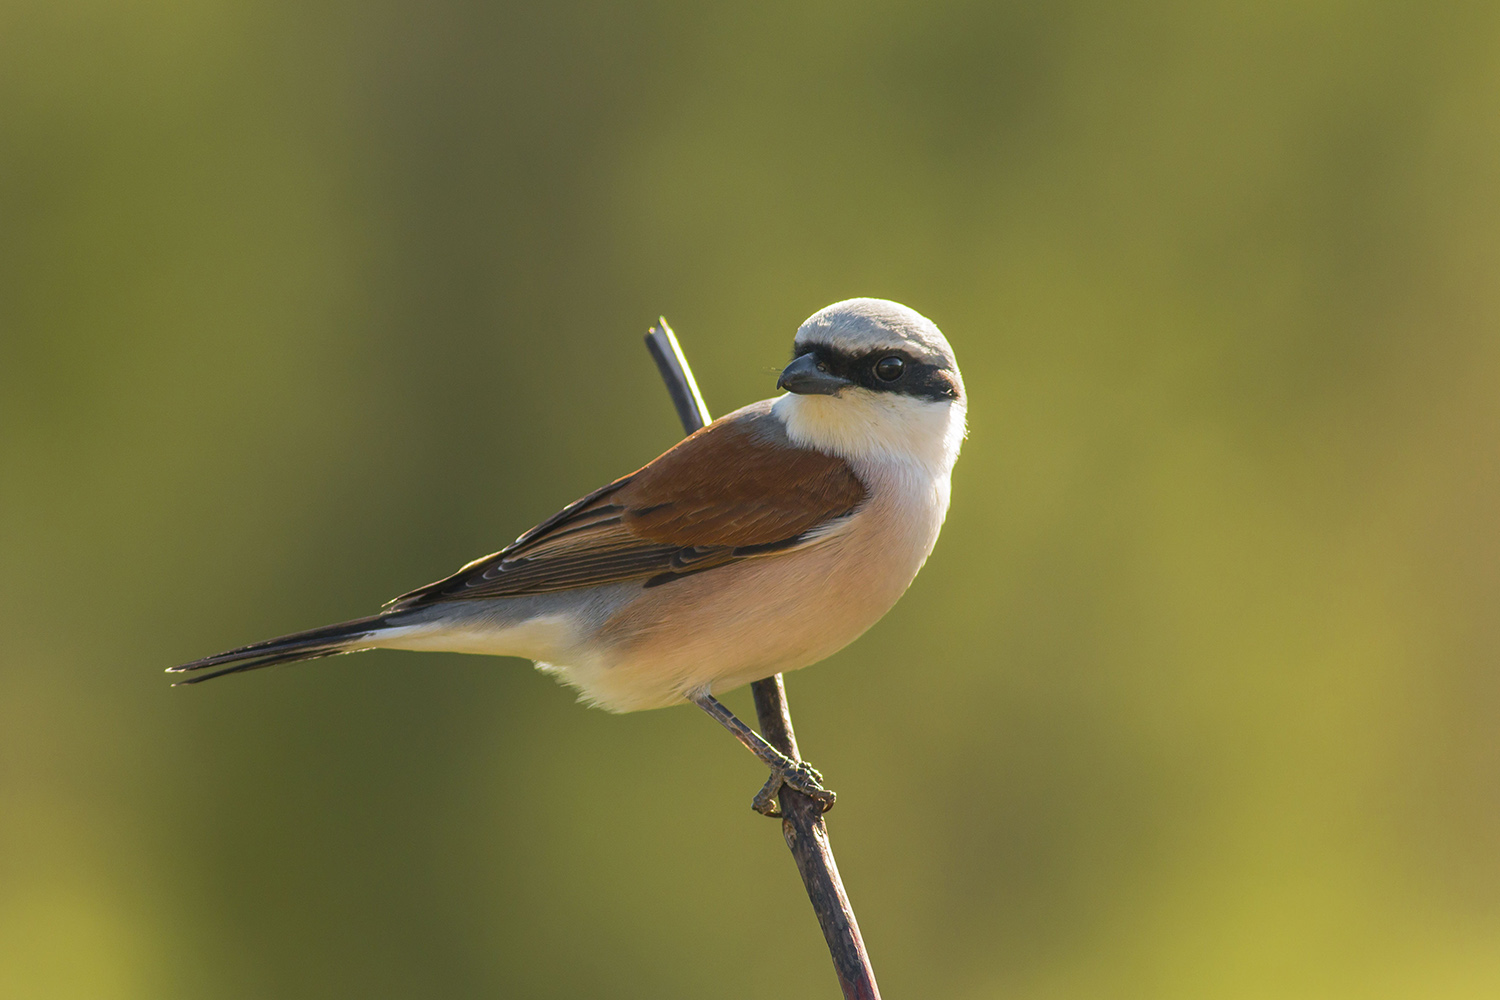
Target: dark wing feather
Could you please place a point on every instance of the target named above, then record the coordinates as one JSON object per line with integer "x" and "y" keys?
{"x": 734, "y": 490}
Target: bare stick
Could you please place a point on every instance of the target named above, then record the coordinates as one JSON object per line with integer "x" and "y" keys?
{"x": 802, "y": 818}
{"x": 683, "y": 388}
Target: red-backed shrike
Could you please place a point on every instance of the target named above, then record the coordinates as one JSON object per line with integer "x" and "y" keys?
{"x": 763, "y": 543}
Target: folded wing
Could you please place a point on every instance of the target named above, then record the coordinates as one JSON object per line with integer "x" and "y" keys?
{"x": 737, "y": 489}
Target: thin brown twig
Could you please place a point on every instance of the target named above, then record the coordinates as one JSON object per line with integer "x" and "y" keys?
{"x": 801, "y": 817}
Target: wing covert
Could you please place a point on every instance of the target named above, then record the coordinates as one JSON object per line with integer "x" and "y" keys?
{"x": 736, "y": 489}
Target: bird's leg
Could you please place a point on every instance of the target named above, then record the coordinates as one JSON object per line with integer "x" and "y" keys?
{"x": 784, "y": 770}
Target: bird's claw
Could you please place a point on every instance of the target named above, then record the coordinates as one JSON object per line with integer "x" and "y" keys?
{"x": 798, "y": 775}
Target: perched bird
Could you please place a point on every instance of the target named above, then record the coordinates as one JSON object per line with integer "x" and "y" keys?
{"x": 762, "y": 543}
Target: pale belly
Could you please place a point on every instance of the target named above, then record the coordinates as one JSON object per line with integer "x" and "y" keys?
{"x": 719, "y": 630}
{"x": 628, "y": 647}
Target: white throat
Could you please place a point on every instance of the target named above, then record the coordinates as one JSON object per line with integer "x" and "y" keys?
{"x": 867, "y": 427}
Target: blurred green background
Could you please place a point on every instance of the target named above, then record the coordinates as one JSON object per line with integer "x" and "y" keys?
{"x": 304, "y": 304}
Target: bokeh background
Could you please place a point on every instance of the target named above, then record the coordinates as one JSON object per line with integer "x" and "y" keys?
{"x": 306, "y": 303}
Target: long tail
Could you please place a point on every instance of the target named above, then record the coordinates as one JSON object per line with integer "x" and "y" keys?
{"x": 330, "y": 640}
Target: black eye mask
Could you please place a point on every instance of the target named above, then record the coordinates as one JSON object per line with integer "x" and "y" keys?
{"x": 887, "y": 370}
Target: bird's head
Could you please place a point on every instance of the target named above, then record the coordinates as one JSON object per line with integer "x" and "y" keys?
{"x": 872, "y": 379}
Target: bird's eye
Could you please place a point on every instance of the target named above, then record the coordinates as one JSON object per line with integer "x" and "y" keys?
{"x": 889, "y": 369}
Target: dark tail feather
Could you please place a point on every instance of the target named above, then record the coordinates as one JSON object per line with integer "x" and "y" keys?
{"x": 327, "y": 641}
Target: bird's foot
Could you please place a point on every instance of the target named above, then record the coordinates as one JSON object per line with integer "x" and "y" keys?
{"x": 793, "y": 774}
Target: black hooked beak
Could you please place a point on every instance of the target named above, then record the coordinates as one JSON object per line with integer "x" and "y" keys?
{"x": 806, "y": 378}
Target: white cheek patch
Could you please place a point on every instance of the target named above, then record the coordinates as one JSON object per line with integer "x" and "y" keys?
{"x": 865, "y": 426}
